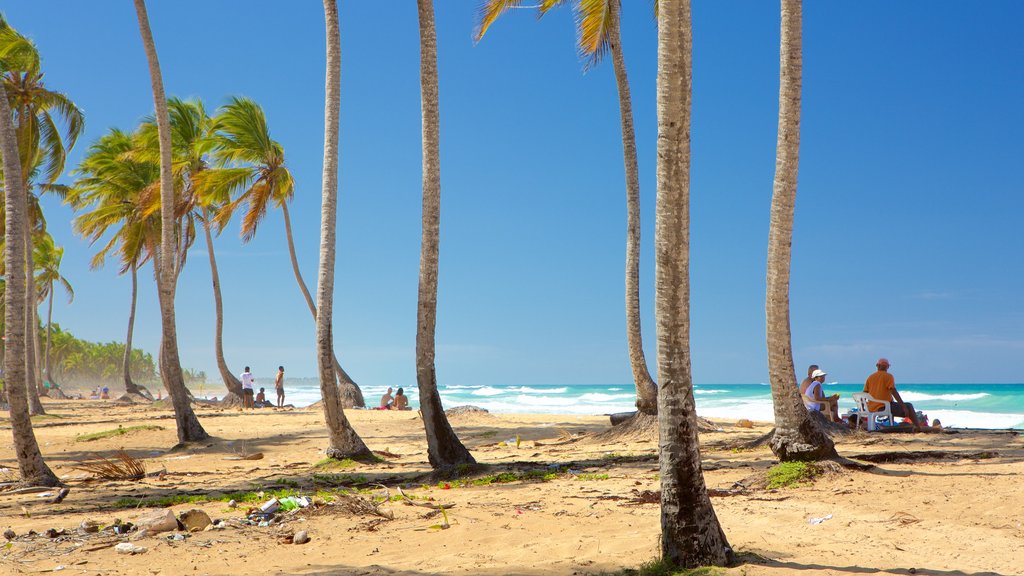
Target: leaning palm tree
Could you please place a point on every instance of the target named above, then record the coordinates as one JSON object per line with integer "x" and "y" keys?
{"x": 48, "y": 277}
{"x": 16, "y": 51}
{"x": 189, "y": 428}
{"x": 344, "y": 442}
{"x": 253, "y": 172}
{"x": 444, "y": 450}
{"x": 797, "y": 435}
{"x": 690, "y": 533}
{"x": 192, "y": 144}
{"x": 598, "y": 33}
{"x": 111, "y": 180}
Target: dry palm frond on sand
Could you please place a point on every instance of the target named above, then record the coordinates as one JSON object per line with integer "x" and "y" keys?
{"x": 121, "y": 466}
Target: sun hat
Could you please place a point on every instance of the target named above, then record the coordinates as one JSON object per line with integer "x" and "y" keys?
{"x": 882, "y": 361}
{"x": 817, "y": 373}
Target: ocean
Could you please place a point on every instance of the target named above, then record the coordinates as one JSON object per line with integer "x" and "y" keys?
{"x": 993, "y": 406}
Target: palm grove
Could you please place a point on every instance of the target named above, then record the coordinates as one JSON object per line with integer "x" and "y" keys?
{"x": 143, "y": 196}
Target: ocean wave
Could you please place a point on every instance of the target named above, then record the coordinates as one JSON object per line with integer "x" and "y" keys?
{"x": 488, "y": 391}
{"x": 529, "y": 390}
{"x": 969, "y": 419}
{"x": 601, "y": 397}
{"x": 698, "y": 391}
{"x": 911, "y": 396}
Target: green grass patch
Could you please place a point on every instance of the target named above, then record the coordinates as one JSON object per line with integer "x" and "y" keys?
{"x": 540, "y": 475}
{"x": 592, "y": 476}
{"x": 119, "y": 431}
{"x": 339, "y": 479}
{"x": 665, "y": 568}
{"x": 790, "y": 473}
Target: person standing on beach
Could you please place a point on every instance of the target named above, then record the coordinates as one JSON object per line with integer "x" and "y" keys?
{"x": 882, "y": 386}
{"x": 279, "y": 386}
{"x": 247, "y": 380}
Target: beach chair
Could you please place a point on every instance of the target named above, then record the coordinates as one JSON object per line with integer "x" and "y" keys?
{"x": 864, "y": 414}
{"x": 826, "y": 412}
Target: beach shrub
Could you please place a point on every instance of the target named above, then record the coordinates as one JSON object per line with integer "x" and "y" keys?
{"x": 662, "y": 567}
{"x": 789, "y": 473}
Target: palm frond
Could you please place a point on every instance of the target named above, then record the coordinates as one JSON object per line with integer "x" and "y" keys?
{"x": 593, "y": 20}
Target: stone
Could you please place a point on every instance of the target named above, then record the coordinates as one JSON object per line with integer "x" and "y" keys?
{"x": 9, "y": 534}
{"x": 195, "y": 520}
{"x": 129, "y": 548}
{"x": 89, "y": 526}
{"x": 300, "y": 537}
{"x": 157, "y": 521}
{"x": 140, "y": 535}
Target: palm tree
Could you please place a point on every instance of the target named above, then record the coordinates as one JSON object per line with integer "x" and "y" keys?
{"x": 690, "y": 533}
{"x": 112, "y": 179}
{"x": 344, "y": 442}
{"x": 598, "y": 33}
{"x": 16, "y": 51}
{"x": 192, "y": 143}
{"x": 797, "y": 435}
{"x": 48, "y": 259}
{"x": 255, "y": 175}
{"x": 167, "y": 265}
{"x": 444, "y": 450}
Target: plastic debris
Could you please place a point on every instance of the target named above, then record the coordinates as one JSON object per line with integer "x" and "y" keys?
{"x": 815, "y": 521}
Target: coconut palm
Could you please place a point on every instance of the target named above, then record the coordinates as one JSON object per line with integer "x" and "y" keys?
{"x": 17, "y": 53}
{"x": 344, "y": 442}
{"x": 598, "y": 33}
{"x": 111, "y": 181}
{"x": 254, "y": 174}
{"x": 189, "y": 428}
{"x": 192, "y": 143}
{"x": 444, "y": 450}
{"x": 48, "y": 277}
{"x": 797, "y": 435}
{"x": 690, "y": 533}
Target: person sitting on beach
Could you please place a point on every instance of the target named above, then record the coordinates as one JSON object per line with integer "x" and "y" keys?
{"x": 807, "y": 381}
{"x": 386, "y": 400}
{"x": 936, "y": 424}
{"x": 105, "y": 393}
{"x": 261, "y": 397}
{"x": 882, "y": 386}
{"x": 814, "y": 391}
{"x": 401, "y": 400}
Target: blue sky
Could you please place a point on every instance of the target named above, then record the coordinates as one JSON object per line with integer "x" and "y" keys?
{"x": 907, "y": 238}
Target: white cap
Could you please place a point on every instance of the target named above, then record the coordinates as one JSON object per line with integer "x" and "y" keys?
{"x": 817, "y": 373}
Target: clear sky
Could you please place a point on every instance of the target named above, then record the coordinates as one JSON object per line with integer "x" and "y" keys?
{"x": 908, "y": 241}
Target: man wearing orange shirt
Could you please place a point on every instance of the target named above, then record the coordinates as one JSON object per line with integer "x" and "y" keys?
{"x": 882, "y": 385}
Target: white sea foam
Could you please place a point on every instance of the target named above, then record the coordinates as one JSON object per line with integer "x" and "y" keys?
{"x": 699, "y": 392}
{"x": 488, "y": 391}
{"x": 600, "y": 397}
{"x": 911, "y": 396}
{"x": 968, "y": 419}
{"x": 529, "y": 390}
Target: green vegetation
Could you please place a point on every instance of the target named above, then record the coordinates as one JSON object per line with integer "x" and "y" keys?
{"x": 333, "y": 464}
{"x": 789, "y": 473}
{"x": 665, "y": 568}
{"x": 589, "y": 476}
{"x": 339, "y": 479}
{"x": 119, "y": 431}
{"x": 540, "y": 475}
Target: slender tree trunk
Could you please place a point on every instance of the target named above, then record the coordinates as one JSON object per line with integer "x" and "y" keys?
{"x": 33, "y": 470}
{"x": 232, "y": 383}
{"x": 131, "y": 387}
{"x": 797, "y": 435}
{"x": 351, "y": 395}
{"x": 49, "y": 330}
{"x": 37, "y": 341}
{"x": 444, "y": 450}
{"x": 189, "y": 428}
{"x": 35, "y": 406}
{"x": 344, "y": 442}
{"x": 646, "y": 389}
{"x": 691, "y": 535}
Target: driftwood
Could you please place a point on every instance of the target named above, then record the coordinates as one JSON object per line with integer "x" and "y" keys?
{"x": 253, "y": 456}
{"x": 410, "y": 502}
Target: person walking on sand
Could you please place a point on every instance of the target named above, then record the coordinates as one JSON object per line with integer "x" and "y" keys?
{"x": 247, "y": 395}
{"x": 882, "y": 386}
{"x": 279, "y": 386}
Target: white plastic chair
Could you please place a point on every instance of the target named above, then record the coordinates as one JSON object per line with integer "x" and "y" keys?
{"x": 870, "y": 417}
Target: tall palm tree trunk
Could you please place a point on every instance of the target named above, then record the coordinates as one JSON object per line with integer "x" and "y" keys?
{"x": 49, "y": 331}
{"x": 797, "y": 435}
{"x": 646, "y": 389}
{"x": 351, "y": 395}
{"x": 32, "y": 468}
{"x": 35, "y": 406}
{"x": 444, "y": 449}
{"x": 131, "y": 387}
{"x": 233, "y": 385}
{"x": 189, "y": 428}
{"x": 344, "y": 442}
{"x": 690, "y": 532}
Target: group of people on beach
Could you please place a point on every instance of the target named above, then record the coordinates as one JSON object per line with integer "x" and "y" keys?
{"x": 397, "y": 402}
{"x": 249, "y": 400}
{"x": 881, "y": 385}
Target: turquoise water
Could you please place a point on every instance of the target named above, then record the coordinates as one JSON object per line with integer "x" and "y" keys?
{"x": 957, "y": 405}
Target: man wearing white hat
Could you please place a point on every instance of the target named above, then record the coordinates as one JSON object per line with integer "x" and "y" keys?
{"x": 814, "y": 391}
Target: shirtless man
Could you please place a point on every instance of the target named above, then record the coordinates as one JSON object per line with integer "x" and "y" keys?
{"x": 386, "y": 400}
{"x": 279, "y": 386}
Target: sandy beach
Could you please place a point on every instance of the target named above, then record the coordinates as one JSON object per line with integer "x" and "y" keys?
{"x": 570, "y": 504}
